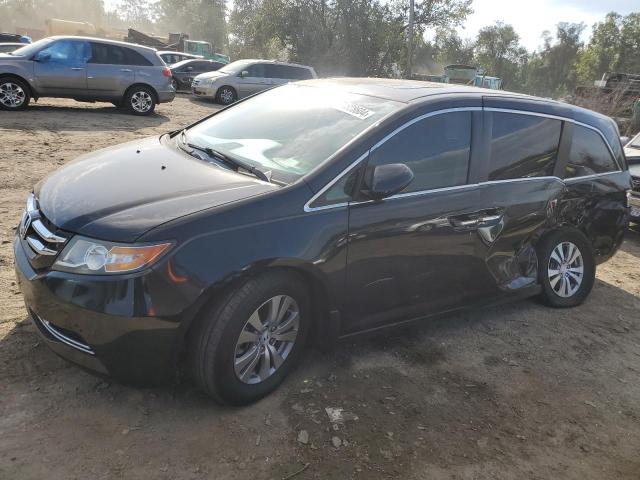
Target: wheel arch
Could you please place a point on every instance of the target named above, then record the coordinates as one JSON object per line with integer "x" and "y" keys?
{"x": 32, "y": 92}
{"x": 156, "y": 97}
{"x": 323, "y": 328}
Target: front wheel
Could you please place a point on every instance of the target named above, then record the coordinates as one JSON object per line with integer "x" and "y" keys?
{"x": 567, "y": 269}
{"x": 14, "y": 94}
{"x": 245, "y": 346}
{"x": 226, "y": 95}
{"x": 140, "y": 101}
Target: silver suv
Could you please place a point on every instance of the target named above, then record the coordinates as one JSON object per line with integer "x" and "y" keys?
{"x": 85, "y": 69}
{"x": 246, "y": 77}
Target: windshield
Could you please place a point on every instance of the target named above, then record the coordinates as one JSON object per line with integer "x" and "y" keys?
{"x": 32, "y": 48}
{"x": 291, "y": 129}
{"x": 235, "y": 67}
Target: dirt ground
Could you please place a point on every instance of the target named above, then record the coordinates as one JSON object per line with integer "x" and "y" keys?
{"x": 510, "y": 392}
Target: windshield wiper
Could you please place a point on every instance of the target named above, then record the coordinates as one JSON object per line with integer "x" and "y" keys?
{"x": 233, "y": 162}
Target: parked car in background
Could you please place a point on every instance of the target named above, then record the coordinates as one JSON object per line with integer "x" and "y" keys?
{"x": 85, "y": 69}
{"x": 10, "y": 47}
{"x": 246, "y": 77}
{"x": 185, "y": 71}
{"x": 170, "y": 57}
{"x": 632, "y": 152}
{"x": 14, "y": 37}
{"x": 313, "y": 211}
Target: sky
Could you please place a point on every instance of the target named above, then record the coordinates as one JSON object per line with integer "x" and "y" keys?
{"x": 531, "y": 17}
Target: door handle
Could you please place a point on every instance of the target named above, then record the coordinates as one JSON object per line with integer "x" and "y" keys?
{"x": 491, "y": 219}
{"x": 126, "y": 70}
{"x": 77, "y": 68}
{"x": 463, "y": 222}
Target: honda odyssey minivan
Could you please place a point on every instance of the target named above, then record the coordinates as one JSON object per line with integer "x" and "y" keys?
{"x": 310, "y": 212}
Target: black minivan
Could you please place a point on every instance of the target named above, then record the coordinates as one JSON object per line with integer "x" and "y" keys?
{"x": 315, "y": 211}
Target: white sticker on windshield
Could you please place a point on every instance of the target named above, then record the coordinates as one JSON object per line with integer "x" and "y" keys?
{"x": 354, "y": 110}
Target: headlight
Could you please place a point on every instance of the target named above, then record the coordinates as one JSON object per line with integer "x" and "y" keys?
{"x": 84, "y": 255}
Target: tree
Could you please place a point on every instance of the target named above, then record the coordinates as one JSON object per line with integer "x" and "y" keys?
{"x": 552, "y": 70}
{"x": 201, "y": 19}
{"x": 451, "y": 49}
{"x": 498, "y": 51}
{"x": 602, "y": 53}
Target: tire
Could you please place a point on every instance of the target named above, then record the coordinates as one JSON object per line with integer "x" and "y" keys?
{"x": 562, "y": 286}
{"x": 236, "y": 372}
{"x": 226, "y": 95}
{"x": 175, "y": 85}
{"x": 14, "y": 94}
{"x": 140, "y": 100}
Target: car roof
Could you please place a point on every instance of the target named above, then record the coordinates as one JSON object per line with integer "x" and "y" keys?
{"x": 416, "y": 91}
{"x": 274, "y": 62}
{"x": 103, "y": 40}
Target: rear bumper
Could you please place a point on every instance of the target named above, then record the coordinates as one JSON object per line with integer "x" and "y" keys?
{"x": 634, "y": 203}
{"x": 166, "y": 96}
{"x": 91, "y": 322}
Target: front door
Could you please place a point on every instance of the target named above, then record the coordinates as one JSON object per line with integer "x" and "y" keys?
{"x": 60, "y": 69}
{"x": 253, "y": 81}
{"x": 416, "y": 252}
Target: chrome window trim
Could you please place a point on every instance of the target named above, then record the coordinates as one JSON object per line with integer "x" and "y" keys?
{"x": 563, "y": 119}
{"x": 308, "y": 208}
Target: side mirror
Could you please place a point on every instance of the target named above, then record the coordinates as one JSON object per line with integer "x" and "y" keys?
{"x": 42, "y": 56}
{"x": 188, "y": 69}
{"x": 624, "y": 140}
{"x": 244, "y": 73}
{"x": 387, "y": 180}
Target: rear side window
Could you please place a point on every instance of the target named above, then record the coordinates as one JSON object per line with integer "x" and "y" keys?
{"x": 106, "y": 54}
{"x": 436, "y": 149}
{"x": 134, "y": 58}
{"x": 298, "y": 73}
{"x": 589, "y": 154}
{"x": 256, "y": 70}
{"x": 523, "y": 146}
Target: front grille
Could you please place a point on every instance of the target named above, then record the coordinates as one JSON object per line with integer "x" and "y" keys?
{"x": 635, "y": 184}
{"x": 42, "y": 238}
{"x": 60, "y": 334}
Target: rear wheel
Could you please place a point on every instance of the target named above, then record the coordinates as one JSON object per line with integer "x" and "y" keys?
{"x": 226, "y": 95}
{"x": 567, "y": 269}
{"x": 140, "y": 101}
{"x": 14, "y": 94}
{"x": 244, "y": 347}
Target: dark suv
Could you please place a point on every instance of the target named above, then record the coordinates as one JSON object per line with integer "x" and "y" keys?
{"x": 314, "y": 211}
{"x": 86, "y": 69}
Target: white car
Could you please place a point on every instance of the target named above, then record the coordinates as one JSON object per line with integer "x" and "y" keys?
{"x": 246, "y": 77}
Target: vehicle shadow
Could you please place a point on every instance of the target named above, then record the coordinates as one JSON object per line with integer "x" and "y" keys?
{"x": 437, "y": 375}
{"x": 82, "y": 117}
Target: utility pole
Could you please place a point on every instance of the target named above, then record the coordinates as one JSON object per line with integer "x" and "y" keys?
{"x": 410, "y": 40}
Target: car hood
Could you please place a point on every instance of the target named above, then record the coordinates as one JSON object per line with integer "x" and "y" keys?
{"x": 121, "y": 192}
{"x": 213, "y": 74}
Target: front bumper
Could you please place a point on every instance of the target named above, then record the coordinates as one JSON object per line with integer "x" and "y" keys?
{"x": 100, "y": 323}
{"x": 204, "y": 91}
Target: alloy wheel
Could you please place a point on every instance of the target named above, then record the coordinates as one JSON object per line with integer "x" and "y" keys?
{"x": 141, "y": 102}
{"x": 565, "y": 269}
{"x": 226, "y": 95}
{"x": 12, "y": 95}
{"x": 266, "y": 340}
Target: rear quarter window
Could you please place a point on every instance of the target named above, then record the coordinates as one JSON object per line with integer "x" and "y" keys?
{"x": 589, "y": 154}
{"x": 523, "y": 146}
